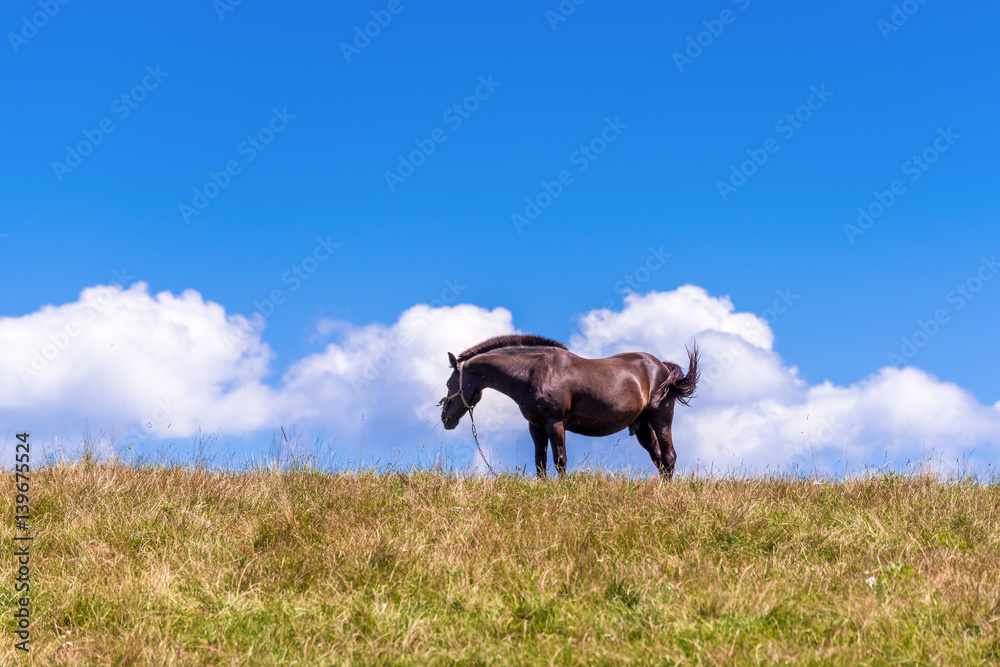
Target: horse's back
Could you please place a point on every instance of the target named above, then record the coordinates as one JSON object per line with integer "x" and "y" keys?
{"x": 556, "y": 371}
{"x": 609, "y": 394}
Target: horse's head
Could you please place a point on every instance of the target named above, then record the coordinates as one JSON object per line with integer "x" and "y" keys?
{"x": 461, "y": 396}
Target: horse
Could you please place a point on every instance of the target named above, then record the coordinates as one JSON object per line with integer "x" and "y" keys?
{"x": 558, "y": 391}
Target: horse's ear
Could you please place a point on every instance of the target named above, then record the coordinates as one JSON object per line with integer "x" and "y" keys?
{"x": 453, "y": 361}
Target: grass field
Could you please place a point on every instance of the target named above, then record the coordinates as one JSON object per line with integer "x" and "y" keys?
{"x": 178, "y": 566}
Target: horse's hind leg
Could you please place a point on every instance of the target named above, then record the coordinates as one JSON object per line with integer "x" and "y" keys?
{"x": 541, "y": 440}
{"x": 644, "y": 434}
{"x": 663, "y": 437}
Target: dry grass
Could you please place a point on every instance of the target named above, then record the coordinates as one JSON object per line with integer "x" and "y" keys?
{"x": 187, "y": 567}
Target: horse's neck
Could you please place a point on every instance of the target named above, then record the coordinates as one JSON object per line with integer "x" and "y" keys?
{"x": 500, "y": 372}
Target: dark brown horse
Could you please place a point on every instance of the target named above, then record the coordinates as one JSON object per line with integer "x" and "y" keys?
{"x": 557, "y": 391}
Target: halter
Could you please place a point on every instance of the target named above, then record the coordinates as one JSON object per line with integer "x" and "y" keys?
{"x": 461, "y": 367}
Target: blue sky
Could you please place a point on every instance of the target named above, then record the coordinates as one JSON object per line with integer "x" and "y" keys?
{"x": 553, "y": 86}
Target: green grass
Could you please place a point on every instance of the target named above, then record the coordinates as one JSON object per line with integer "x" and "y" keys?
{"x": 175, "y": 566}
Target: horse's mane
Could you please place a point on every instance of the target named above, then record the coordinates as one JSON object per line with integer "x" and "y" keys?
{"x": 512, "y": 340}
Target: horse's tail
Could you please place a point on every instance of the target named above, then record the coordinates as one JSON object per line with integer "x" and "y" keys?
{"x": 679, "y": 385}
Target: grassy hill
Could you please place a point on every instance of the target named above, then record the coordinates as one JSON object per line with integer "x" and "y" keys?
{"x": 189, "y": 567}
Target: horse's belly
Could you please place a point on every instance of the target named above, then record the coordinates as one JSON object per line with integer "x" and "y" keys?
{"x": 601, "y": 413}
{"x": 595, "y": 430}
{"x": 599, "y": 425}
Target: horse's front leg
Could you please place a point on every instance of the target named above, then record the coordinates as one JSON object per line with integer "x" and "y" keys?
{"x": 557, "y": 434}
{"x": 541, "y": 440}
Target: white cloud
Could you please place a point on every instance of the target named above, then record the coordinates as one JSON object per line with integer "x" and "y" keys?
{"x": 663, "y": 321}
{"x": 174, "y": 365}
{"x": 394, "y": 372}
{"x": 754, "y": 410}
{"x": 123, "y": 356}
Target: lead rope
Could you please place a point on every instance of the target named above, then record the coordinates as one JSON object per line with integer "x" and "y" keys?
{"x": 478, "y": 446}
{"x": 472, "y": 420}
